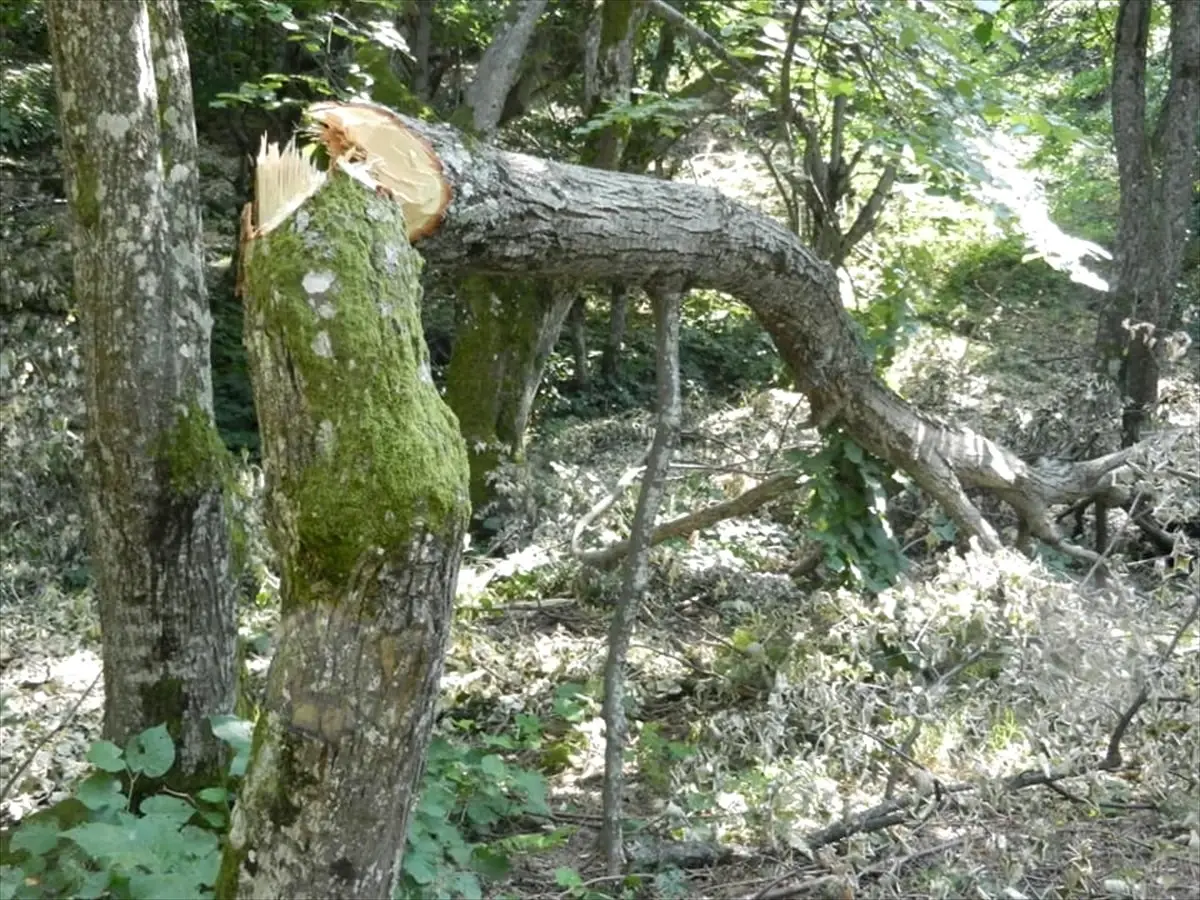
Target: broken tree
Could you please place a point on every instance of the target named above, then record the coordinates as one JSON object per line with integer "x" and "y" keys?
{"x": 366, "y": 509}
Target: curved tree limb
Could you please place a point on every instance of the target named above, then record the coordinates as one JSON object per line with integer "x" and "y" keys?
{"x": 518, "y": 215}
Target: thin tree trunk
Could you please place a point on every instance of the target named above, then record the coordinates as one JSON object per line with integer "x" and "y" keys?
{"x": 504, "y": 326}
{"x": 618, "y": 315}
{"x": 421, "y": 47}
{"x": 366, "y": 510}
{"x": 667, "y": 299}
{"x": 608, "y": 82}
{"x": 505, "y": 334}
{"x": 156, "y": 470}
{"x": 577, "y": 322}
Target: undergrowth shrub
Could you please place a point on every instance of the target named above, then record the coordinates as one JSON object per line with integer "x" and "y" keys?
{"x": 454, "y": 839}
{"x": 846, "y": 513}
{"x": 100, "y": 842}
{"x": 27, "y": 117}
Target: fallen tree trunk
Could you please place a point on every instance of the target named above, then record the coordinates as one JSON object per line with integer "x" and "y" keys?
{"x": 513, "y": 214}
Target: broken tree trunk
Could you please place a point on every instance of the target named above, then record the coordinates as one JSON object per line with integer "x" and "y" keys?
{"x": 366, "y": 509}
{"x": 516, "y": 214}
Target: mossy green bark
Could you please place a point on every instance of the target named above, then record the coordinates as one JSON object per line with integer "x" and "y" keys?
{"x": 367, "y": 503}
{"x": 364, "y": 446}
{"x": 493, "y": 369}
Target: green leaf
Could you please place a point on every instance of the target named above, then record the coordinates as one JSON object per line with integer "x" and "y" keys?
{"x": 112, "y": 844}
{"x": 238, "y": 734}
{"x": 151, "y": 753}
{"x": 567, "y": 878}
{"x": 493, "y": 767}
{"x": 107, "y": 756}
{"x": 36, "y": 838}
{"x": 983, "y": 32}
{"x": 101, "y": 791}
{"x": 156, "y": 887}
{"x": 174, "y": 811}
{"x": 419, "y": 868}
{"x": 466, "y": 885}
{"x": 94, "y": 886}
{"x": 11, "y": 881}
{"x": 216, "y": 795}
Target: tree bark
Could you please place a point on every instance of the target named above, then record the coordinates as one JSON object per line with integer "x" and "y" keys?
{"x": 500, "y": 67}
{"x": 666, "y": 299}
{"x": 506, "y": 332}
{"x": 366, "y": 509}
{"x": 515, "y": 214}
{"x": 156, "y": 469}
{"x": 1155, "y": 169}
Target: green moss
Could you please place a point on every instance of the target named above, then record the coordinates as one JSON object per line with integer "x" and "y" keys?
{"x": 336, "y": 289}
{"x": 87, "y": 204}
{"x": 494, "y": 354}
{"x": 615, "y": 22}
{"x": 196, "y": 458}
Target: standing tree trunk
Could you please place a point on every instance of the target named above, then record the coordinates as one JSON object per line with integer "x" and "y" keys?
{"x": 505, "y": 335}
{"x": 366, "y": 510}
{"x": 156, "y": 469}
{"x": 1155, "y": 167}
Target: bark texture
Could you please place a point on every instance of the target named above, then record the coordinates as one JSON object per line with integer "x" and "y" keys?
{"x": 506, "y": 332}
{"x": 515, "y": 214}
{"x": 155, "y": 467}
{"x": 500, "y": 67}
{"x": 1156, "y": 164}
{"x": 366, "y": 510}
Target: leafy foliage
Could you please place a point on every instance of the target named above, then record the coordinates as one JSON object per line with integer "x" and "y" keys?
{"x": 27, "y": 107}
{"x": 847, "y": 509}
{"x": 94, "y": 844}
{"x": 453, "y": 840}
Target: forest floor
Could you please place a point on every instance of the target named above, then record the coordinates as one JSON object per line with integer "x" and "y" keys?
{"x": 791, "y": 738}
